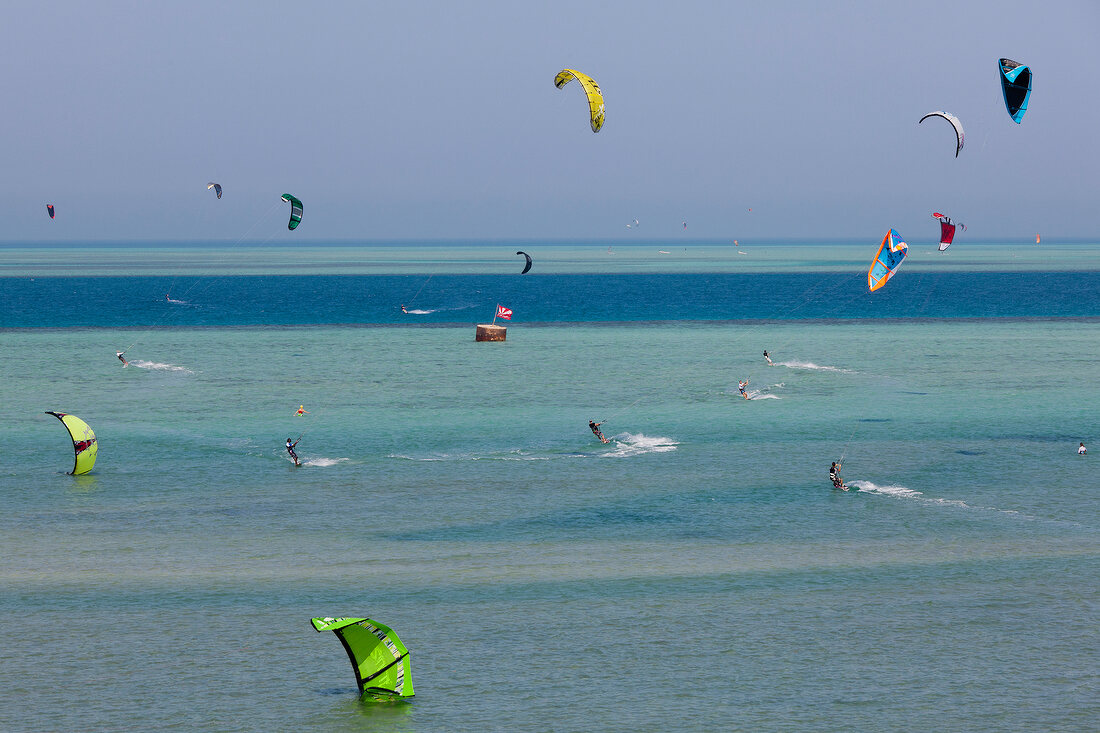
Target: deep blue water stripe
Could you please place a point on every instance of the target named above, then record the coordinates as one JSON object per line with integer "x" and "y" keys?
{"x": 65, "y": 302}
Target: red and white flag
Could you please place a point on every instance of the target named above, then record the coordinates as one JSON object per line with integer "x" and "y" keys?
{"x": 505, "y": 313}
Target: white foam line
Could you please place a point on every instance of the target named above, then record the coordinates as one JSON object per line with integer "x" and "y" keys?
{"x": 812, "y": 366}
{"x": 426, "y": 311}
{"x": 323, "y": 461}
{"x": 629, "y": 444}
{"x": 157, "y": 366}
{"x": 901, "y": 492}
{"x": 469, "y": 457}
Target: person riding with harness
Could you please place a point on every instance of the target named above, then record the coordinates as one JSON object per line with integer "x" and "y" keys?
{"x": 834, "y": 476}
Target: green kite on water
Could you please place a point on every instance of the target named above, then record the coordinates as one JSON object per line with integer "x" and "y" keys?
{"x": 84, "y": 442}
{"x": 380, "y": 660}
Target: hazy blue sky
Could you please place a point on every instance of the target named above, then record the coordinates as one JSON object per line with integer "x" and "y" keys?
{"x": 440, "y": 120}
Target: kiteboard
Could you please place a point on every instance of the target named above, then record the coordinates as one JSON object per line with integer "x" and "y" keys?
{"x": 604, "y": 440}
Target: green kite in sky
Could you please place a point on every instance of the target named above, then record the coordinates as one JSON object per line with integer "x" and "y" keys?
{"x": 295, "y": 210}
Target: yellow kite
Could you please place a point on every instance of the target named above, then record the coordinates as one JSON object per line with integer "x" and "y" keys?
{"x": 591, "y": 88}
{"x": 84, "y": 442}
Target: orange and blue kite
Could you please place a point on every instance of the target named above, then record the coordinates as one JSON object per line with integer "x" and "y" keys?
{"x": 888, "y": 259}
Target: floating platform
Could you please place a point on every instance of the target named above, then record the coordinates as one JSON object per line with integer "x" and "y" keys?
{"x": 490, "y": 332}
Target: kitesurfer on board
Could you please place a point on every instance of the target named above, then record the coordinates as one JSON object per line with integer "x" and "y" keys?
{"x": 741, "y": 388}
{"x": 834, "y": 476}
{"x": 122, "y": 358}
{"x": 290, "y": 450}
{"x": 595, "y": 428}
{"x": 768, "y": 357}
{"x": 403, "y": 309}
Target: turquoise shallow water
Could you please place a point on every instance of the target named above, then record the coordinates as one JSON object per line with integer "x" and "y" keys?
{"x": 696, "y": 573}
{"x": 414, "y": 258}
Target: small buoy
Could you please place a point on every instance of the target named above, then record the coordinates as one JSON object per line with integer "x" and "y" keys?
{"x": 490, "y": 332}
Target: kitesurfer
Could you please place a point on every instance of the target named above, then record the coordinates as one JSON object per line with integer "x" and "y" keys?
{"x": 403, "y": 309}
{"x": 741, "y": 388}
{"x": 290, "y": 450}
{"x": 595, "y": 428}
{"x": 122, "y": 358}
{"x": 1081, "y": 450}
{"x": 768, "y": 357}
{"x": 834, "y": 476}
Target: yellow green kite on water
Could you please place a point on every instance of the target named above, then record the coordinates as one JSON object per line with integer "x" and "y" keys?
{"x": 591, "y": 88}
{"x": 380, "y": 660}
{"x": 84, "y": 442}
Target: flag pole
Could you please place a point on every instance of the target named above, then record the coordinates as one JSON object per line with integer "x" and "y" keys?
{"x": 495, "y": 314}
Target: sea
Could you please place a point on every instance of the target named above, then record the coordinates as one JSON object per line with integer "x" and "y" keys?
{"x": 698, "y": 572}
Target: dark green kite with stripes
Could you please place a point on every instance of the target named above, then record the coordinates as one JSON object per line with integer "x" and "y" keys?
{"x": 295, "y": 211}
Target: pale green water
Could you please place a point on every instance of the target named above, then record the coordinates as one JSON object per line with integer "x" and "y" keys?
{"x": 658, "y": 256}
{"x": 696, "y": 574}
